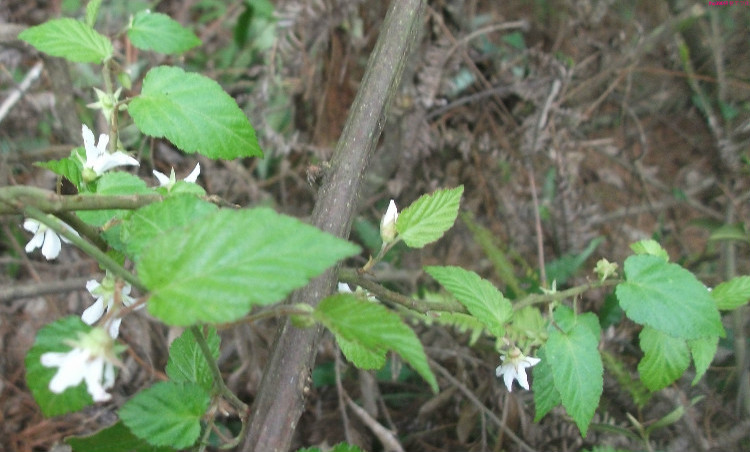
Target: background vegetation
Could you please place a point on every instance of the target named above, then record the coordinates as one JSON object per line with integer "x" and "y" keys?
{"x": 615, "y": 120}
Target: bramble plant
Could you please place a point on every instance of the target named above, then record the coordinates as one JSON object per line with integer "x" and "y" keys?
{"x": 199, "y": 265}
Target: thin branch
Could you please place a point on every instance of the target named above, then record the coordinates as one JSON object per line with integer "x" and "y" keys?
{"x": 15, "y": 199}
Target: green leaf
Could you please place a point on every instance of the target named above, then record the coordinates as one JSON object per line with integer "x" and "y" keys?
{"x": 160, "y": 33}
{"x": 92, "y": 10}
{"x": 667, "y": 297}
{"x": 372, "y": 326}
{"x": 480, "y": 296}
{"x": 215, "y": 270}
{"x": 51, "y": 338}
{"x": 546, "y": 395}
{"x": 70, "y": 39}
{"x": 194, "y": 113}
{"x": 115, "y": 438}
{"x": 427, "y": 219}
{"x": 360, "y": 356}
{"x": 665, "y": 358}
{"x": 114, "y": 183}
{"x": 577, "y": 368}
{"x": 153, "y": 220}
{"x": 703, "y": 351}
{"x": 68, "y": 167}
{"x": 650, "y": 247}
{"x": 732, "y": 294}
{"x": 187, "y": 364}
{"x": 167, "y": 414}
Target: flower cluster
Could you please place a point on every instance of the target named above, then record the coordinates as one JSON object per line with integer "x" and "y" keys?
{"x": 109, "y": 297}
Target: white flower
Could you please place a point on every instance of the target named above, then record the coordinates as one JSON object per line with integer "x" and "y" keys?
{"x": 514, "y": 368}
{"x": 168, "y": 182}
{"x": 88, "y": 361}
{"x": 388, "y": 223}
{"x": 105, "y": 301}
{"x": 45, "y": 238}
{"x": 98, "y": 160}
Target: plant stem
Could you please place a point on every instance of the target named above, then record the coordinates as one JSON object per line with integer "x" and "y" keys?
{"x": 105, "y": 261}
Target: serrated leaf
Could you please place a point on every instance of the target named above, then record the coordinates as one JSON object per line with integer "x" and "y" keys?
{"x": 732, "y": 294}
{"x": 577, "y": 369}
{"x": 153, "y": 220}
{"x": 69, "y": 39}
{"x": 665, "y": 358}
{"x": 546, "y": 395}
{"x": 427, "y": 219}
{"x": 374, "y": 327}
{"x": 160, "y": 33}
{"x": 186, "y": 361}
{"x": 51, "y": 338}
{"x": 360, "y": 356}
{"x": 215, "y": 270}
{"x": 194, "y": 113}
{"x": 668, "y": 298}
{"x": 649, "y": 247}
{"x": 167, "y": 414}
{"x": 115, "y": 438}
{"x": 114, "y": 183}
{"x": 480, "y": 296}
{"x": 703, "y": 351}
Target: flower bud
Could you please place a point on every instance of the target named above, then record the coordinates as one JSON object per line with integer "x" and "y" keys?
{"x": 388, "y": 223}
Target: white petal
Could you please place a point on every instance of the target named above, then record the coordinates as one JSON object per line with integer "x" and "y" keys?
{"x": 103, "y": 142}
{"x": 35, "y": 242}
{"x": 508, "y": 375}
{"x": 92, "y": 285}
{"x": 93, "y": 312}
{"x": 193, "y": 176}
{"x": 109, "y": 161}
{"x": 522, "y": 380}
{"x": 93, "y": 375}
{"x": 51, "y": 247}
{"x": 53, "y": 359}
{"x": 114, "y": 328}
{"x": 161, "y": 177}
{"x": 109, "y": 375}
{"x": 344, "y": 288}
{"x": 31, "y": 225}
{"x": 70, "y": 372}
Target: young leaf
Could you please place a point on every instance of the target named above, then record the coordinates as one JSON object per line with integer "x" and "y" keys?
{"x": 51, "y": 338}
{"x": 194, "y": 113}
{"x": 732, "y": 294}
{"x": 373, "y": 327}
{"x": 649, "y": 247}
{"x": 70, "y": 39}
{"x": 115, "y": 438}
{"x": 427, "y": 219}
{"x": 156, "y": 219}
{"x": 186, "y": 362}
{"x": 480, "y": 296}
{"x": 68, "y": 167}
{"x": 668, "y": 298}
{"x": 577, "y": 368}
{"x": 215, "y": 270}
{"x": 167, "y": 414}
{"x": 664, "y": 360}
{"x": 546, "y": 396}
{"x": 160, "y": 33}
{"x": 703, "y": 351}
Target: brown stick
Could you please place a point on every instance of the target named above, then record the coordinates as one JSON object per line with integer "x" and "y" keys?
{"x": 281, "y": 395}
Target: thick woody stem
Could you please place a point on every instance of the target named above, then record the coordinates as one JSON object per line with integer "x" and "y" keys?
{"x": 281, "y": 396}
